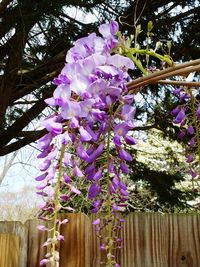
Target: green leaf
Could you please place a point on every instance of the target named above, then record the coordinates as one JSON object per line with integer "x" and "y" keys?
{"x": 138, "y": 30}
{"x": 158, "y": 45}
{"x": 169, "y": 45}
{"x": 150, "y": 26}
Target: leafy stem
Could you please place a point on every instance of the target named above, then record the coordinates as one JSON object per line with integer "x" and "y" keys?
{"x": 137, "y": 63}
{"x": 56, "y": 208}
{"x": 165, "y": 58}
{"x": 196, "y": 126}
{"x": 109, "y": 259}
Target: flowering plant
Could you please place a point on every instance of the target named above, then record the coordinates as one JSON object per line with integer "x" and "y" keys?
{"x": 89, "y": 135}
{"x": 187, "y": 116}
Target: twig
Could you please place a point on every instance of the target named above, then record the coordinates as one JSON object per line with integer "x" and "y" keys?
{"x": 176, "y": 70}
{"x": 180, "y": 83}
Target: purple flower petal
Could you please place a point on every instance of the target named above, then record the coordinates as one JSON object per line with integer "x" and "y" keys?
{"x": 44, "y": 262}
{"x": 175, "y": 111}
{"x": 44, "y": 142}
{"x": 64, "y": 198}
{"x": 42, "y": 186}
{"x": 62, "y": 94}
{"x": 45, "y": 165}
{"x": 115, "y": 182}
{"x": 52, "y": 125}
{"x": 114, "y": 27}
{"x": 51, "y": 102}
{"x": 42, "y": 228}
{"x": 191, "y": 130}
{"x": 121, "y": 62}
{"x": 50, "y": 192}
{"x": 86, "y": 107}
{"x": 97, "y": 175}
{"x": 198, "y": 113}
{"x": 122, "y": 129}
{"x": 190, "y": 158}
{"x": 41, "y": 177}
{"x": 124, "y": 168}
{"x": 181, "y": 134}
{"x": 124, "y": 155}
{"x": 94, "y": 190}
{"x": 89, "y": 169}
{"x": 84, "y": 135}
{"x": 70, "y": 110}
{"x": 109, "y": 29}
{"x": 117, "y": 140}
{"x": 61, "y": 79}
{"x": 60, "y": 238}
{"x": 194, "y": 174}
{"x": 65, "y": 138}
{"x": 79, "y": 84}
{"x": 64, "y": 221}
{"x": 111, "y": 166}
{"x": 124, "y": 192}
{"x": 130, "y": 140}
{"x": 74, "y": 189}
{"x": 96, "y": 222}
{"x": 128, "y": 112}
{"x": 192, "y": 142}
{"x": 115, "y": 207}
{"x": 123, "y": 185}
{"x": 180, "y": 116}
{"x": 67, "y": 159}
{"x": 96, "y": 206}
{"x": 95, "y": 154}
{"x": 78, "y": 172}
{"x": 74, "y": 123}
{"x": 81, "y": 152}
{"x": 92, "y": 133}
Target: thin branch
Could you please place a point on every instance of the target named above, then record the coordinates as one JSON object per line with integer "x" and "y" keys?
{"x": 69, "y": 18}
{"x": 180, "y": 83}
{"x": 10, "y": 133}
{"x": 182, "y": 15}
{"x": 144, "y": 128}
{"x": 176, "y": 70}
{"x": 24, "y": 102}
{"x": 166, "y": 11}
{"x": 22, "y": 142}
{"x": 32, "y": 133}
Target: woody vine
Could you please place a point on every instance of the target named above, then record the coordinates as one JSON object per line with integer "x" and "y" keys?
{"x": 90, "y": 134}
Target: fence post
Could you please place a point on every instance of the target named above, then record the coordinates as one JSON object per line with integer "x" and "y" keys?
{"x": 9, "y": 250}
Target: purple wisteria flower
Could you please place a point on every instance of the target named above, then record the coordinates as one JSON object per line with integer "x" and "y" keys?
{"x": 187, "y": 116}
{"x": 198, "y": 113}
{"x": 180, "y": 116}
{"x": 53, "y": 125}
{"x": 87, "y": 138}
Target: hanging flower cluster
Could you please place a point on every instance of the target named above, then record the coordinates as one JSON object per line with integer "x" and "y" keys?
{"x": 187, "y": 115}
{"x": 88, "y": 138}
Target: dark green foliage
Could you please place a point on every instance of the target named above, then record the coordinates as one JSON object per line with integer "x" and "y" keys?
{"x": 161, "y": 186}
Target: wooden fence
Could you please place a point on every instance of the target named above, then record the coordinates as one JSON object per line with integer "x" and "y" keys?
{"x": 150, "y": 240}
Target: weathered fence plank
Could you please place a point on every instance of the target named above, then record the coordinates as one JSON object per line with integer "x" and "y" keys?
{"x": 9, "y": 250}
{"x": 36, "y": 239}
{"x": 184, "y": 241}
{"x": 75, "y": 250}
{"x": 150, "y": 240}
{"x": 19, "y": 229}
{"x": 155, "y": 240}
